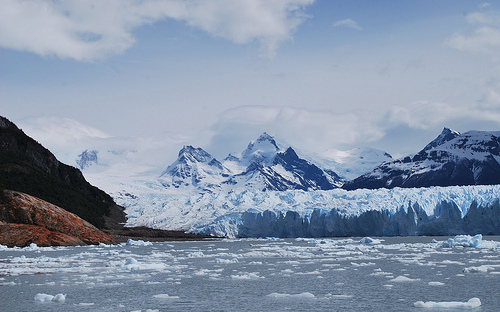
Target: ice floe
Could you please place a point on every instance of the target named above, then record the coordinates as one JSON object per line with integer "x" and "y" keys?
{"x": 471, "y": 304}
{"x": 304, "y": 295}
{"x": 404, "y": 279}
{"x": 165, "y": 296}
{"x": 49, "y": 298}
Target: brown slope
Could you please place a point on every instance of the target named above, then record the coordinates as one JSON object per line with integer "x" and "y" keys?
{"x": 27, "y": 219}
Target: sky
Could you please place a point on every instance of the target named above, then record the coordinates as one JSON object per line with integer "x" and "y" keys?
{"x": 318, "y": 74}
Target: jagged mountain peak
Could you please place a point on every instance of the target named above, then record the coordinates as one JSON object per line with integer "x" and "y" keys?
{"x": 269, "y": 138}
{"x": 262, "y": 150}
{"x": 231, "y": 157}
{"x": 194, "y": 153}
{"x": 446, "y": 135}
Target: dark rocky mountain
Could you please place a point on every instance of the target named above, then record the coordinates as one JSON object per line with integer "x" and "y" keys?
{"x": 286, "y": 171}
{"x": 26, "y": 166}
{"x": 471, "y": 158}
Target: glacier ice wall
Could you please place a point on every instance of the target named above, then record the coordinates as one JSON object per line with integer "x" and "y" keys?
{"x": 381, "y": 212}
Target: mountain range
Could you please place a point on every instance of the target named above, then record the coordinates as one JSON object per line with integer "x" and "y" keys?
{"x": 272, "y": 189}
{"x": 263, "y": 166}
{"x": 471, "y": 158}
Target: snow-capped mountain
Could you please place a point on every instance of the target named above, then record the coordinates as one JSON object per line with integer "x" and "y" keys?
{"x": 471, "y": 158}
{"x": 268, "y": 190}
{"x": 263, "y": 165}
{"x": 195, "y": 169}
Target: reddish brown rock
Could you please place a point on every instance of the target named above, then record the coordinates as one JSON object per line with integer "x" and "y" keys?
{"x": 22, "y": 235}
{"x": 27, "y": 218}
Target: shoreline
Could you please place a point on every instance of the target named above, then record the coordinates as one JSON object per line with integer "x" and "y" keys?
{"x": 153, "y": 235}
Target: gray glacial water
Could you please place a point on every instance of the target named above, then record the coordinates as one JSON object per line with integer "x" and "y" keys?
{"x": 253, "y": 275}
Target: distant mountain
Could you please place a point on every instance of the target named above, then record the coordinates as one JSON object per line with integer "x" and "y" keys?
{"x": 350, "y": 164}
{"x": 471, "y": 158}
{"x": 28, "y": 167}
{"x": 87, "y": 159}
{"x": 263, "y": 165}
{"x": 195, "y": 168}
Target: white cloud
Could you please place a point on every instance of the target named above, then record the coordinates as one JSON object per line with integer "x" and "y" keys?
{"x": 308, "y": 129}
{"x": 484, "y": 5}
{"x": 347, "y": 23}
{"x": 485, "y": 39}
{"x": 426, "y": 114}
{"x": 92, "y": 30}
{"x": 423, "y": 114}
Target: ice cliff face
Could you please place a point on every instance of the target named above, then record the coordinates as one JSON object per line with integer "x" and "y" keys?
{"x": 471, "y": 158}
{"x": 397, "y": 211}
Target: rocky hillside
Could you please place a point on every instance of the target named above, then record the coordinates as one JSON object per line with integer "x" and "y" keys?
{"x": 25, "y": 219}
{"x": 26, "y": 166}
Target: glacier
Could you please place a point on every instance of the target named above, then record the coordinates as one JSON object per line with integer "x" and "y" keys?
{"x": 382, "y": 212}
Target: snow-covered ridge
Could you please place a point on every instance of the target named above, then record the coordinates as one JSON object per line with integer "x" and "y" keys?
{"x": 471, "y": 158}
{"x": 222, "y": 213}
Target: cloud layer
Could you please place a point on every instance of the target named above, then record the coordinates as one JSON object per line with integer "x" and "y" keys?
{"x": 93, "y": 30}
{"x": 485, "y": 38}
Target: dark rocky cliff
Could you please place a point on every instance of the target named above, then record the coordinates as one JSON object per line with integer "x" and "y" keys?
{"x": 26, "y": 166}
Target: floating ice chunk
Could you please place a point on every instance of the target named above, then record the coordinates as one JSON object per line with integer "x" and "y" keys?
{"x": 435, "y": 284}
{"x": 330, "y": 296}
{"x": 369, "y": 240}
{"x": 463, "y": 241}
{"x": 479, "y": 269}
{"x": 471, "y": 304}
{"x": 59, "y": 298}
{"x": 404, "y": 279}
{"x": 43, "y": 298}
{"x": 305, "y": 295}
{"x": 140, "y": 242}
{"x": 165, "y": 296}
{"x": 226, "y": 261}
{"x": 49, "y": 298}
{"x": 249, "y": 276}
{"x": 132, "y": 264}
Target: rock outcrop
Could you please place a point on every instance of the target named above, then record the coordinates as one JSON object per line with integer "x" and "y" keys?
{"x": 26, "y": 166}
{"x": 25, "y": 219}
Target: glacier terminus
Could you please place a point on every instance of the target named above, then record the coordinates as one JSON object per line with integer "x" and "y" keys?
{"x": 450, "y": 187}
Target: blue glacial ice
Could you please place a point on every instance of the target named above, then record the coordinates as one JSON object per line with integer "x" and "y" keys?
{"x": 383, "y": 212}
